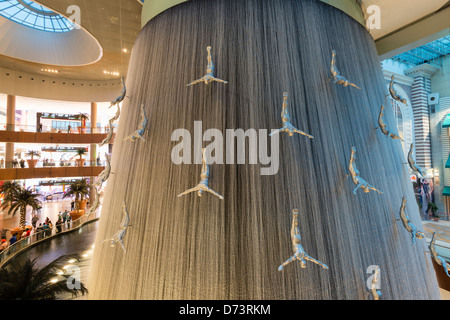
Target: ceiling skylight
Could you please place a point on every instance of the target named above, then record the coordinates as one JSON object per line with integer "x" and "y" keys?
{"x": 33, "y": 15}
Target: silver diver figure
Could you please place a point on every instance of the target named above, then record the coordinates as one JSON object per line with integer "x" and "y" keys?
{"x": 122, "y": 95}
{"x": 439, "y": 260}
{"x": 412, "y": 164}
{"x": 383, "y": 129}
{"x": 209, "y": 76}
{"x": 109, "y": 136}
{"x": 394, "y": 93}
{"x": 120, "y": 234}
{"x": 354, "y": 173}
{"x": 104, "y": 175}
{"x": 336, "y": 75}
{"x": 299, "y": 252}
{"x": 408, "y": 225}
{"x": 203, "y": 185}
{"x": 376, "y": 293}
{"x": 96, "y": 203}
{"x": 287, "y": 126}
{"x": 139, "y": 132}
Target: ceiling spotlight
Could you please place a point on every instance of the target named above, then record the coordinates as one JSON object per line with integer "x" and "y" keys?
{"x": 125, "y": 50}
{"x": 50, "y": 70}
{"x": 54, "y": 280}
{"x": 110, "y": 73}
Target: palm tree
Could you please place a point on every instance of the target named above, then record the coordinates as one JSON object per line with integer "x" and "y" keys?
{"x": 32, "y": 154}
{"x": 83, "y": 117}
{"x": 20, "y": 200}
{"x": 7, "y": 189}
{"x": 25, "y": 282}
{"x": 79, "y": 189}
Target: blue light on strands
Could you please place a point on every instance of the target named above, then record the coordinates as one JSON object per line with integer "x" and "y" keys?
{"x": 33, "y": 15}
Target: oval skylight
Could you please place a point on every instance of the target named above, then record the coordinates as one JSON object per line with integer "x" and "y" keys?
{"x": 33, "y": 15}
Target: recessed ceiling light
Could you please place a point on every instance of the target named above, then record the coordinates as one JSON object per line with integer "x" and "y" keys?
{"x": 50, "y": 70}
{"x": 111, "y": 73}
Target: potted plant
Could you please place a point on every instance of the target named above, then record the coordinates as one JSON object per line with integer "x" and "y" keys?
{"x": 21, "y": 198}
{"x": 80, "y": 152}
{"x": 32, "y": 162}
{"x": 79, "y": 189}
{"x": 83, "y": 117}
{"x": 433, "y": 208}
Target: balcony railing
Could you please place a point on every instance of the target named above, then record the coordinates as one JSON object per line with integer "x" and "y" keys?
{"x": 34, "y": 128}
{"x": 34, "y": 238}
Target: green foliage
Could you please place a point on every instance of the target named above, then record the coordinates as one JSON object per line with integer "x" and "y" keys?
{"x": 32, "y": 154}
{"x": 25, "y": 282}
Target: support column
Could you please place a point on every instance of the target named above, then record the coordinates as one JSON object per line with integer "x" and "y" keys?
{"x": 93, "y": 153}
{"x": 421, "y": 88}
{"x": 10, "y": 126}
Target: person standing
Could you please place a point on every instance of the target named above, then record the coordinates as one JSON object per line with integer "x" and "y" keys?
{"x": 2, "y": 163}
{"x": 69, "y": 128}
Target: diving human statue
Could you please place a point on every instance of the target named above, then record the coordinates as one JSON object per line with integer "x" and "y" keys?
{"x": 408, "y": 225}
{"x": 287, "y": 126}
{"x": 96, "y": 203}
{"x": 120, "y": 234}
{"x": 394, "y": 93}
{"x": 138, "y": 134}
{"x": 299, "y": 252}
{"x": 412, "y": 164}
{"x": 110, "y": 134}
{"x": 439, "y": 260}
{"x": 209, "y": 76}
{"x": 122, "y": 95}
{"x": 204, "y": 176}
{"x": 376, "y": 293}
{"x": 383, "y": 129}
{"x": 336, "y": 75}
{"x": 104, "y": 175}
{"x": 354, "y": 173}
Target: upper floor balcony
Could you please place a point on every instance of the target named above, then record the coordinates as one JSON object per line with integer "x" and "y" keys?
{"x": 34, "y": 134}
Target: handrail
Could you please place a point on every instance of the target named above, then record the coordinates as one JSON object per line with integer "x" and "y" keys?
{"x": 34, "y": 128}
{"x": 8, "y": 253}
{"x": 53, "y": 164}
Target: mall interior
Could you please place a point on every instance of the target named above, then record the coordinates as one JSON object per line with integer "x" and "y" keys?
{"x": 93, "y": 95}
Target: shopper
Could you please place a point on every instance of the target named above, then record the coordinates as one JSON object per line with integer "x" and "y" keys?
{"x": 4, "y": 245}
{"x": 22, "y": 163}
{"x": 13, "y": 239}
{"x": 2, "y": 163}
{"x": 34, "y": 221}
{"x": 69, "y": 128}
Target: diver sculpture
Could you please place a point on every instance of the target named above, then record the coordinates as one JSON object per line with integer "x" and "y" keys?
{"x": 299, "y": 252}
{"x": 287, "y": 126}
{"x": 139, "y": 132}
{"x": 94, "y": 205}
{"x": 104, "y": 175}
{"x": 109, "y": 136}
{"x": 336, "y": 75}
{"x": 122, "y": 95}
{"x": 439, "y": 260}
{"x": 383, "y": 129}
{"x": 394, "y": 93}
{"x": 209, "y": 76}
{"x": 354, "y": 173}
{"x": 412, "y": 164}
{"x": 120, "y": 234}
{"x": 408, "y": 225}
{"x": 204, "y": 176}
